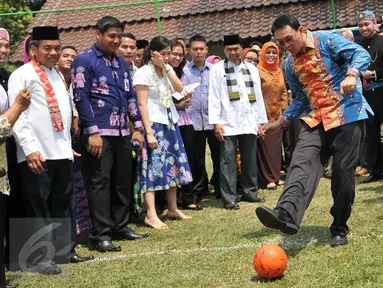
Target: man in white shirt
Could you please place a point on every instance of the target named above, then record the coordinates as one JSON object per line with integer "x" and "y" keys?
{"x": 237, "y": 111}
{"x": 44, "y": 152}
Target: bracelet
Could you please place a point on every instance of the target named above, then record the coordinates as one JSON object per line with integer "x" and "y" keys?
{"x": 283, "y": 122}
{"x": 167, "y": 69}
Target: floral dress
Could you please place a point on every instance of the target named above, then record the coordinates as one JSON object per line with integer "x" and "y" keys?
{"x": 5, "y": 132}
{"x": 166, "y": 166}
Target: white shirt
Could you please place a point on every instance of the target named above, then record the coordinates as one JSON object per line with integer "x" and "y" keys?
{"x": 70, "y": 91}
{"x": 157, "y": 112}
{"x": 34, "y": 130}
{"x": 3, "y": 100}
{"x": 237, "y": 117}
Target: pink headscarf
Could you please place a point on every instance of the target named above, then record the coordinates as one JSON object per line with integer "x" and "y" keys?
{"x": 211, "y": 58}
{"x": 244, "y": 52}
{"x": 26, "y": 58}
{"x": 4, "y": 34}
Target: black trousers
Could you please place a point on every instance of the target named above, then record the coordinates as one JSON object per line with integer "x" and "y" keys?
{"x": 108, "y": 187}
{"x": 364, "y": 154}
{"x": 228, "y": 168}
{"x": 311, "y": 154}
{"x": 2, "y": 235}
{"x": 200, "y": 176}
{"x": 290, "y": 137}
{"x": 49, "y": 198}
{"x": 374, "y": 156}
{"x": 374, "y": 142}
{"x": 188, "y": 195}
{"x": 13, "y": 209}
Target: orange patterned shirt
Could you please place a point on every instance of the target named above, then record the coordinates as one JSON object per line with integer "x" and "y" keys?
{"x": 315, "y": 77}
{"x": 274, "y": 93}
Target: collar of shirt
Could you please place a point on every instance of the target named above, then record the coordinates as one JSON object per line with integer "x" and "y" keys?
{"x": 310, "y": 40}
{"x": 206, "y": 66}
{"x": 100, "y": 53}
{"x": 309, "y": 44}
{"x": 372, "y": 37}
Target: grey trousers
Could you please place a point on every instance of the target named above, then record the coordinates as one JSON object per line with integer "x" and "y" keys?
{"x": 228, "y": 166}
{"x": 311, "y": 154}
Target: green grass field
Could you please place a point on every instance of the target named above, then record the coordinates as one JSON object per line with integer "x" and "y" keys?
{"x": 216, "y": 247}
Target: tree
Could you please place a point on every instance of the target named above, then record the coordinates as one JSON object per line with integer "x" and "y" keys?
{"x": 16, "y": 25}
{"x": 35, "y": 5}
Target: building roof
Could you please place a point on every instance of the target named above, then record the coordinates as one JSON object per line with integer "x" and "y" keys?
{"x": 184, "y": 18}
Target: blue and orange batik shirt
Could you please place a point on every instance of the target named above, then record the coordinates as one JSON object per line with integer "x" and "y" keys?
{"x": 315, "y": 77}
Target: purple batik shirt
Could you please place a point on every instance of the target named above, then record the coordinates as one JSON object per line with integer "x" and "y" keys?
{"x": 104, "y": 94}
{"x": 198, "y": 110}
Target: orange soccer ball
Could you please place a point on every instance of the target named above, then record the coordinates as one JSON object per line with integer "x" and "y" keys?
{"x": 270, "y": 261}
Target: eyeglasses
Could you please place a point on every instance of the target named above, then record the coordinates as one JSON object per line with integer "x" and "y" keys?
{"x": 288, "y": 40}
{"x": 175, "y": 55}
{"x": 251, "y": 60}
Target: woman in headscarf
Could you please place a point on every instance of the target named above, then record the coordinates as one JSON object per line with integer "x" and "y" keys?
{"x": 28, "y": 54}
{"x": 213, "y": 59}
{"x": 250, "y": 55}
{"x": 276, "y": 101}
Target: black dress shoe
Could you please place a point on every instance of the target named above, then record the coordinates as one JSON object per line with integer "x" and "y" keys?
{"x": 338, "y": 240}
{"x": 138, "y": 216}
{"x": 104, "y": 246}
{"x": 78, "y": 259}
{"x": 231, "y": 206}
{"x": 277, "y": 219}
{"x": 50, "y": 269}
{"x": 251, "y": 200}
{"x": 129, "y": 235}
{"x": 372, "y": 178}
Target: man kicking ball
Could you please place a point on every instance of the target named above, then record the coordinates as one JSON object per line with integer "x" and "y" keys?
{"x": 323, "y": 71}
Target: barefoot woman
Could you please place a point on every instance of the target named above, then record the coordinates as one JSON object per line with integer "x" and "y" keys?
{"x": 163, "y": 163}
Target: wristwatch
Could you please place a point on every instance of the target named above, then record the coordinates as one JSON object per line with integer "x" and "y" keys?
{"x": 141, "y": 130}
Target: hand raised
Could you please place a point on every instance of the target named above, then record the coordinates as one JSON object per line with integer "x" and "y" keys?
{"x": 158, "y": 60}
